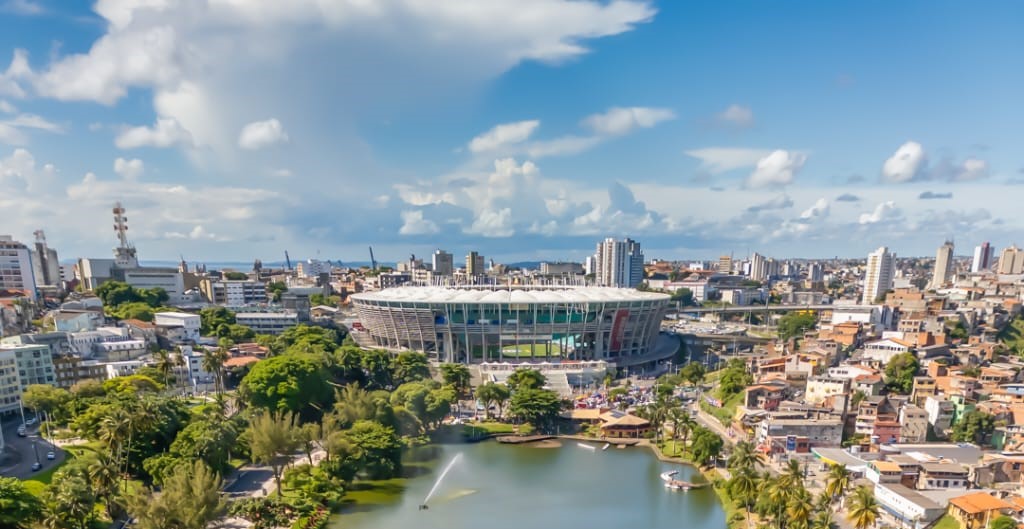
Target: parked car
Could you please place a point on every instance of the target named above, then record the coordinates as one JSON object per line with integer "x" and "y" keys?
{"x": 30, "y": 421}
{"x": 36, "y": 466}
{"x": 22, "y": 432}
{"x": 51, "y": 455}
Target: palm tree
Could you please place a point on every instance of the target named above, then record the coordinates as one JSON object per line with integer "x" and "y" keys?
{"x": 744, "y": 456}
{"x": 838, "y": 482}
{"x": 104, "y": 473}
{"x": 863, "y": 511}
{"x": 164, "y": 364}
{"x": 743, "y": 486}
{"x": 823, "y": 520}
{"x": 799, "y": 509}
{"x": 792, "y": 475}
{"x": 213, "y": 363}
{"x": 682, "y": 424}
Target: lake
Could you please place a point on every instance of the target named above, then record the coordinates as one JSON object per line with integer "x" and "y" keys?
{"x": 498, "y": 486}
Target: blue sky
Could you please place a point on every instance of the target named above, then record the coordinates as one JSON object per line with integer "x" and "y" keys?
{"x": 526, "y": 129}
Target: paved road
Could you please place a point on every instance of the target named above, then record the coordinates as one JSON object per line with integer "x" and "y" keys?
{"x": 18, "y": 455}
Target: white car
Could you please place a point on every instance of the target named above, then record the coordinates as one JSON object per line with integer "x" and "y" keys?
{"x": 30, "y": 422}
{"x": 51, "y": 455}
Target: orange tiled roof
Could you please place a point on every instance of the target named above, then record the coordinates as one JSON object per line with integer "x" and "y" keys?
{"x": 979, "y": 502}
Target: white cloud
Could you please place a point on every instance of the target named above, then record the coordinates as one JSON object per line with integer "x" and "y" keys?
{"x": 715, "y": 160}
{"x": 129, "y": 169}
{"x": 563, "y": 146}
{"x": 736, "y": 116}
{"x": 22, "y": 7}
{"x": 260, "y": 134}
{"x": 7, "y": 108}
{"x": 490, "y": 223}
{"x": 18, "y": 172}
{"x": 776, "y": 169}
{"x": 503, "y": 135}
{"x": 618, "y": 120}
{"x": 883, "y": 211}
{"x": 818, "y": 210}
{"x": 17, "y": 71}
{"x": 12, "y": 131}
{"x": 413, "y": 223}
{"x": 906, "y": 164}
{"x": 779, "y": 202}
{"x": 167, "y": 132}
{"x": 972, "y": 169}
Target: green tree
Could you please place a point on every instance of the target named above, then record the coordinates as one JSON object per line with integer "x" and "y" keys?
{"x": 457, "y": 376}
{"x": 272, "y": 439}
{"x": 974, "y": 427}
{"x": 794, "y": 324}
{"x": 236, "y": 276}
{"x": 136, "y": 310}
{"x": 213, "y": 363}
{"x": 165, "y": 364}
{"x": 263, "y": 513}
{"x": 900, "y": 372}
{"x": 410, "y": 366}
{"x": 131, "y": 385}
{"x": 683, "y": 296}
{"x": 18, "y": 507}
{"x": 377, "y": 449}
{"x": 524, "y": 378}
{"x": 353, "y": 403}
{"x": 307, "y": 339}
{"x": 538, "y": 407}
{"x": 863, "y": 510}
{"x": 103, "y": 471}
{"x": 492, "y": 393}
{"x": 211, "y": 318}
{"x": 290, "y": 383}
{"x": 210, "y": 441}
{"x": 275, "y": 289}
{"x": 744, "y": 457}
{"x": 376, "y": 366}
{"x": 236, "y": 333}
{"x": 189, "y": 499}
{"x": 69, "y": 501}
{"x": 45, "y": 398}
{"x": 734, "y": 378}
{"x": 706, "y": 445}
{"x": 693, "y": 373}
{"x": 1003, "y": 522}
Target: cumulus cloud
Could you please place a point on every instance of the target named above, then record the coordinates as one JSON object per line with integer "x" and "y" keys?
{"x": 19, "y": 172}
{"x": 18, "y": 71}
{"x": 413, "y": 223}
{"x": 777, "y": 169}
{"x": 932, "y": 195}
{"x": 779, "y": 202}
{"x": 129, "y": 169}
{"x": 972, "y": 169}
{"x": 847, "y": 197}
{"x": 491, "y": 223}
{"x": 715, "y": 160}
{"x": 883, "y": 211}
{"x": 6, "y": 107}
{"x": 906, "y": 164}
{"x": 166, "y": 132}
{"x": 618, "y": 120}
{"x": 738, "y": 116}
{"x": 260, "y": 134}
{"x": 818, "y": 210}
{"x": 503, "y": 135}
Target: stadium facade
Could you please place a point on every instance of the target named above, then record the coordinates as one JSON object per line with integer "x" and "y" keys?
{"x": 490, "y": 323}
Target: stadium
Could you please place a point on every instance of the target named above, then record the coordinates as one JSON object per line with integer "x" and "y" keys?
{"x": 484, "y": 324}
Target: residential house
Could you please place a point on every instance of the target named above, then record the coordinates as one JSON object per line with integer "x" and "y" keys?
{"x": 943, "y": 475}
{"x": 913, "y": 424}
{"x": 977, "y": 509}
{"x": 940, "y": 414}
{"x": 820, "y": 388}
{"x": 924, "y": 387}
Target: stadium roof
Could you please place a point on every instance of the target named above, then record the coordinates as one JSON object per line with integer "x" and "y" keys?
{"x": 509, "y": 295}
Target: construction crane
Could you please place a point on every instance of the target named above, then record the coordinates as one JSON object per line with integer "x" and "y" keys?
{"x": 287, "y": 261}
{"x": 373, "y": 262}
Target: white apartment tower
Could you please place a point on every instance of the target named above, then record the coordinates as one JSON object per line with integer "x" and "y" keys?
{"x": 619, "y": 263}
{"x": 442, "y": 263}
{"x": 943, "y": 265}
{"x": 1011, "y": 261}
{"x": 982, "y": 257}
{"x": 16, "y": 271}
{"x": 878, "y": 277}
{"x": 758, "y": 267}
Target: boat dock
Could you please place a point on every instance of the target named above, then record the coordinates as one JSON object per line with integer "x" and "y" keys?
{"x": 672, "y": 483}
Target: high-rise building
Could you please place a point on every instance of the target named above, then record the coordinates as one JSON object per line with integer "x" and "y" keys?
{"x": 475, "y": 264}
{"x": 45, "y": 264}
{"x": 725, "y": 264}
{"x": 758, "y": 267}
{"x": 619, "y": 263}
{"x": 16, "y": 271}
{"x": 816, "y": 272}
{"x": 982, "y": 257}
{"x": 878, "y": 277}
{"x": 442, "y": 263}
{"x": 1011, "y": 261}
{"x": 943, "y": 265}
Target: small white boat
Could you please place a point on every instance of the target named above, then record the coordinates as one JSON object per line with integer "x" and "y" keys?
{"x": 676, "y": 485}
{"x": 667, "y": 476}
{"x": 605, "y": 447}
{"x": 586, "y": 446}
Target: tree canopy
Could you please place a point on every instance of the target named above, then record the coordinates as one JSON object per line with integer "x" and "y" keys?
{"x": 289, "y": 383}
{"x": 794, "y": 324}
{"x": 974, "y": 427}
{"x": 538, "y": 407}
{"x": 900, "y": 372}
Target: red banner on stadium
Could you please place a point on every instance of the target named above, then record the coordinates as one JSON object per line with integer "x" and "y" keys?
{"x": 618, "y": 327}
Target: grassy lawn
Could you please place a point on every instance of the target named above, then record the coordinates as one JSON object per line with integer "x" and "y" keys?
{"x": 1013, "y": 334}
{"x": 491, "y": 427}
{"x": 531, "y": 350}
{"x": 727, "y": 411}
{"x": 947, "y": 522}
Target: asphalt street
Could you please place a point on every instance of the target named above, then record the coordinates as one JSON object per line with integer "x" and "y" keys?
{"x": 18, "y": 454}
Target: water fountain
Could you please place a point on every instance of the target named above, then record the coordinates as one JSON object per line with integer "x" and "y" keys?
{"x": 448, "y": 467}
